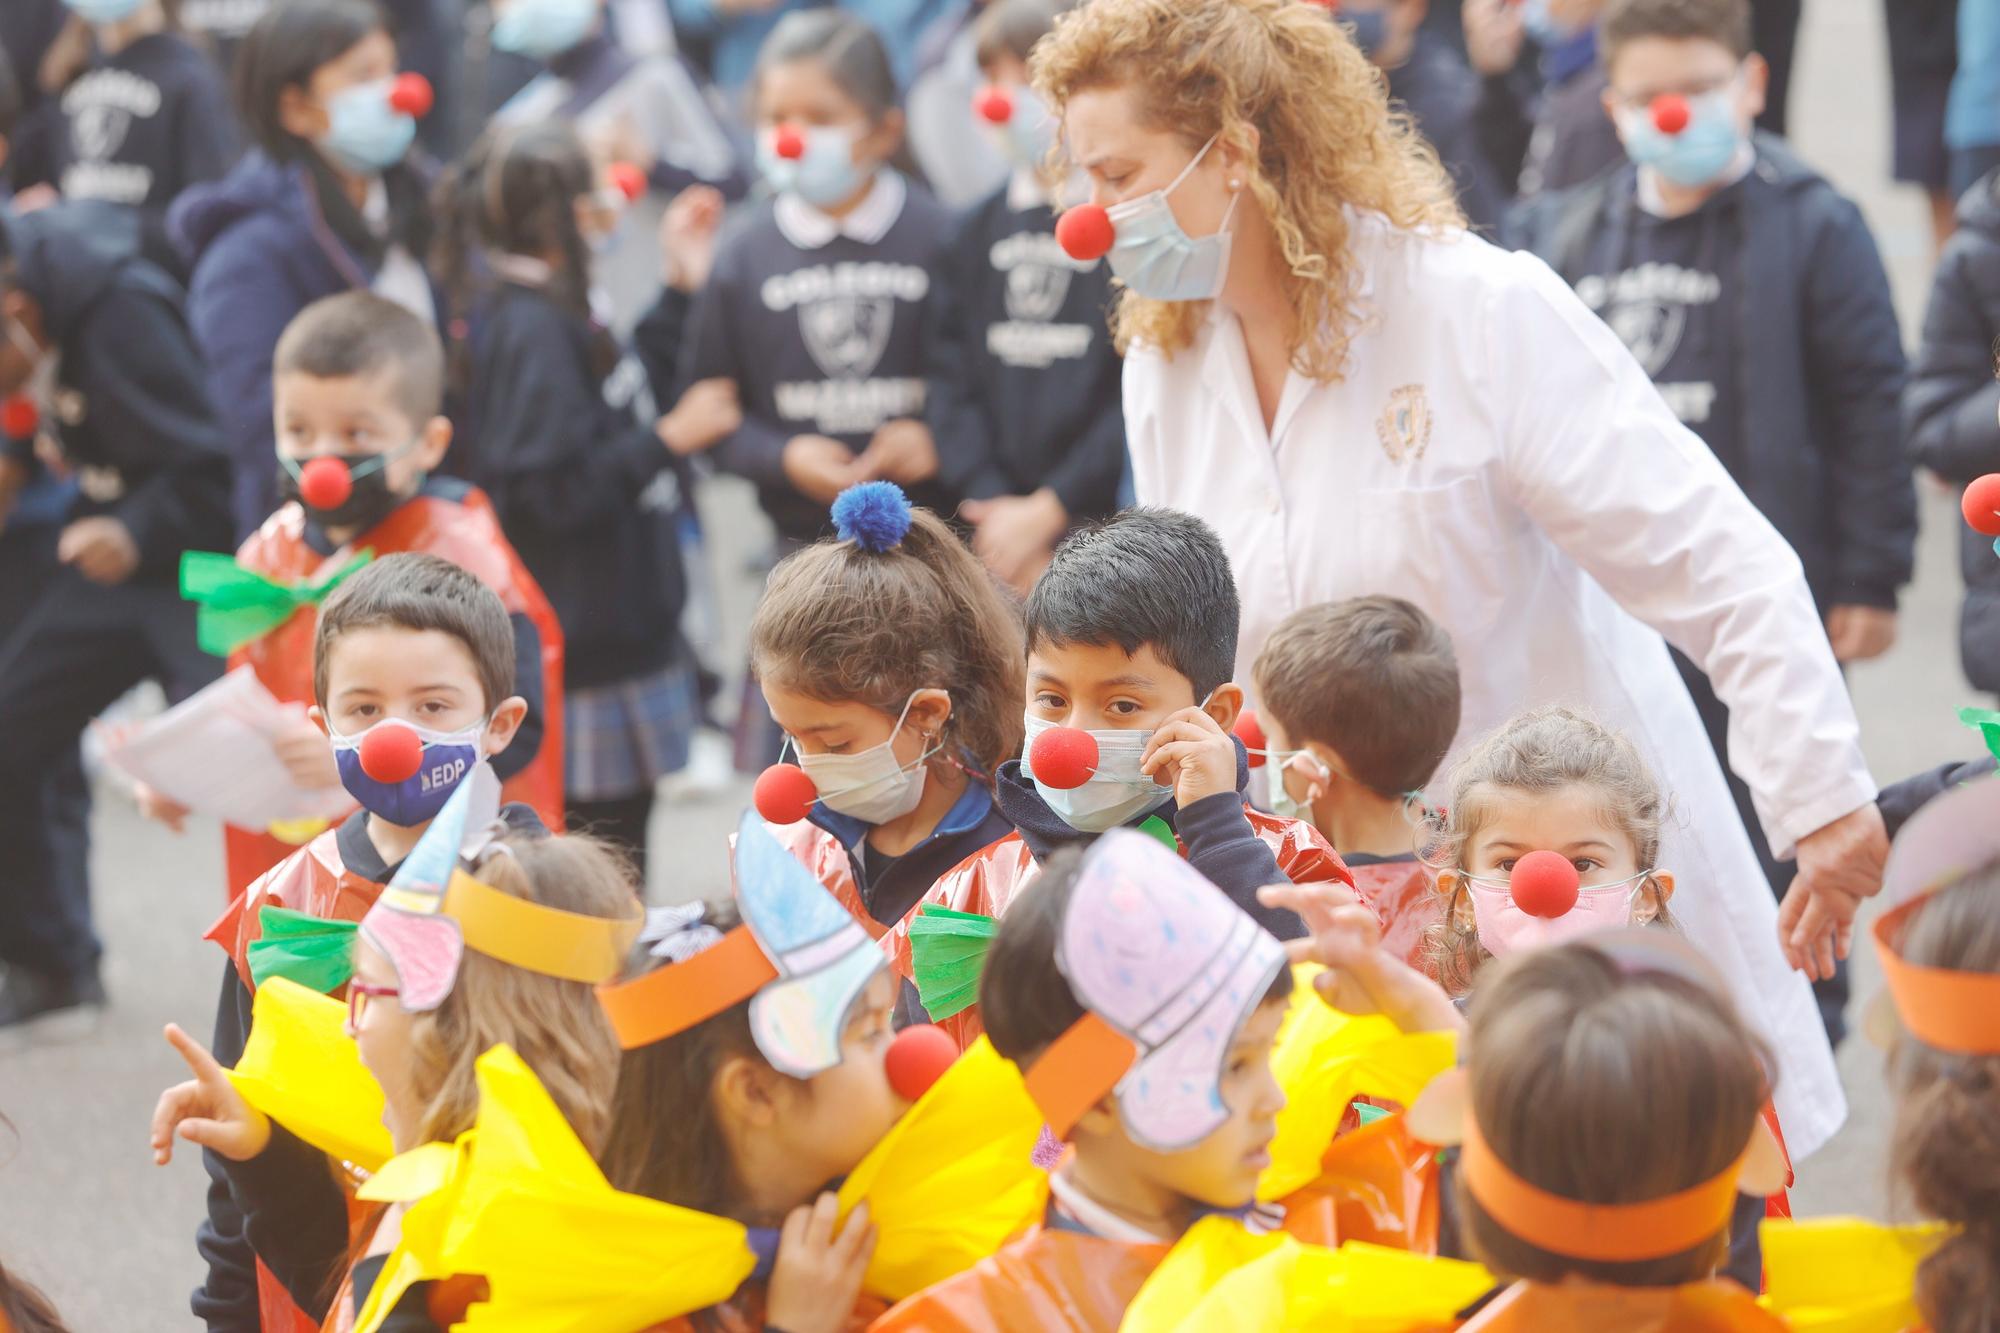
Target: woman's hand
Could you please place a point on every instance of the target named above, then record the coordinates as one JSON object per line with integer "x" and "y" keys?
{"x": 818, "y": 1273}
{"x": 820, "y": 467}
{"x": 1015, "y": 534}
{"x": 1361, "y": 977}
{"x": 1839, "y": 865}
{"x": 706, "y": 414}
{"x": 687, "y": 237}
{"x": 903, "y": 451}
{"x": 1191, "y": 751}
{"x": 207, "y": 1110}
{"x": 1859, "y": 633}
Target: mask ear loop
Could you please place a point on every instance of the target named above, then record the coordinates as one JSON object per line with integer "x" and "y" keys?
{"x": 902, "y": 717}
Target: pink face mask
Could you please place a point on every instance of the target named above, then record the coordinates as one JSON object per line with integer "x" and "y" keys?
{"x": 1504, "y": 927}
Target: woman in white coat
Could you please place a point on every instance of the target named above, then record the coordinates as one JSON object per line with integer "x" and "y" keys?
{"x": 1363, "y": 398}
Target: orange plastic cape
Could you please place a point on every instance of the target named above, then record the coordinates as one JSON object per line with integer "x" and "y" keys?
{"x": 1049, "y": 1281}
{"x": 467, "y": 533}
{"x": 822, "y": 853}
{"x": 988, "y": 880}
{"x": 1376, "y": 1184}
{"x": 1715, "y": 1306}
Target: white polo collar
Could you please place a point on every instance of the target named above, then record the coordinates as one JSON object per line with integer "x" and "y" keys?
{"x": 809, "y": 229}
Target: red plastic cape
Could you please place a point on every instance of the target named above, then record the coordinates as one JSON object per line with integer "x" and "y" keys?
{"x": 988, "y": 880}
{"x": 467, "y": 534}
{"x": 822, "y": 853}
{"x": 1404, "y": 901}
{"x": 313, "y": 879}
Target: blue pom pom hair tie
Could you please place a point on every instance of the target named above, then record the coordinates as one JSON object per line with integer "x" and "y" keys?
{"x": 874, "y": 515}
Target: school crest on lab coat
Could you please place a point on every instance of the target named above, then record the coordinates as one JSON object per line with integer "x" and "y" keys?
{"x": 847, "y": 334}
{"x": 1405, "y": 424}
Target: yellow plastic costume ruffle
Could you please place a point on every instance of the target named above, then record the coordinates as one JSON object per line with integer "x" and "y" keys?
{"x": 1845, "y": 1275}
{"x": 302, "y": 1069}
{"x": 428, "y": 1178}
{"x": 1323, "y": 1060}
{"x": 1222, "y": 1276}
{"x": 953, "y": 1180}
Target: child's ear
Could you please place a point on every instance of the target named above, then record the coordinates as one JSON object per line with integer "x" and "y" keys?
{"x": 506, "y": 720}
{"x": 434, "y": 443}
{"x": 882, "y": 140}
{"x": 318, "y": 718}
{"x": 1766, "y": 1169}
{"x": 1101, "y": 1120}
{"x": 744, "y": 1093}
{"x": 1225, "y": 703}
{"x": 1756, "y": 83}
{"x": 1654, "y": 903}
{"x": 299, "y": 115}
{"x": 1438, "y": 1114}
{"x": 929, "y": 711}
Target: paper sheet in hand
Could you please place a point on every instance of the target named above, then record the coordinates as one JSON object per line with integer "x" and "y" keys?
{"x": 212, "y": 753}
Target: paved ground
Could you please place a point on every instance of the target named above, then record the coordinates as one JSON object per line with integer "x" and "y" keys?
{"x": 84, "y": 1212}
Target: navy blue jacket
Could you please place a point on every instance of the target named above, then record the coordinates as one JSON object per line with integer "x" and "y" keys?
{"x": 1821, "y": 362}
{"x": 1949, "y": 410}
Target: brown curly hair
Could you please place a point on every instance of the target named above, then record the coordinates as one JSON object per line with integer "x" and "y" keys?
{"x": 1947, "y": 1139}
{"x": 1277, "y": 74}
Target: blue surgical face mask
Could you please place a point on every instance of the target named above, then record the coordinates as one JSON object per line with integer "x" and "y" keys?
{"x": 1154, "y": 255}
{"x": 1370, "y": 28}
{"x": 364, "y": 133}
{"x": 1542, "y": 25}
{"x": 448, "y": 757}
{"x": 1700, "y": 153}
{"x": 824, "y": 174}
{"x": 539, "y": 29}
{"x": 103, "y": 11}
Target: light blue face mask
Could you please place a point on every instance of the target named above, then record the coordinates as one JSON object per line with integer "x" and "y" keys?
{"x": 539, "y": 29}
{"x": 1703, "y": 149}
{"x": 823, "y": 175}
{"x": 1154, "y": 255}
{"x": 103, "y": 11}
{"x": 364, "y": 133}
{"x": 1542, "y": 25}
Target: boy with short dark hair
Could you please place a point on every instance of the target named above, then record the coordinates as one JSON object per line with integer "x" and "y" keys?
{"x": 358, "y": 389}
{"x": 410, "y": 642}
{"x": 1360, "y": 701}
{"x": 1132, "y": 638}
{"x": 1753, "y": 294}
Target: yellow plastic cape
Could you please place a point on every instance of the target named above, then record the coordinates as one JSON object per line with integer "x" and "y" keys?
{"x": 428, "y": 1178}
{"x": 1222, "y": 1276}
{"x": 953, "y": 1180}
{"x": 1845, "y": 1275}
{"x": 302, "y": 1069}
{"x": 1323, "y": 1060}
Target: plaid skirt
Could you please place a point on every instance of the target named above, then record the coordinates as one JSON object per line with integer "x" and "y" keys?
{"x": 619, "y": 739}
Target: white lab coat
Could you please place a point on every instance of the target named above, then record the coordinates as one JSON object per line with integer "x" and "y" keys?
{"x": 1495, "y": 456}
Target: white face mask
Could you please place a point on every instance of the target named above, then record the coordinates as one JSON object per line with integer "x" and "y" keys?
{"x": 1116, "y": 793}
{"x": 873, "y": 785}
{"x": 1309, "y": 767}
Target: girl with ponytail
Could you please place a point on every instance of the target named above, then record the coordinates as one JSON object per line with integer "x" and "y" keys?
{"x": 893, "y": 663}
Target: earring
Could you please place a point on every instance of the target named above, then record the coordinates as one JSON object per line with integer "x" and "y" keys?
{"x": 1235, "y": 184}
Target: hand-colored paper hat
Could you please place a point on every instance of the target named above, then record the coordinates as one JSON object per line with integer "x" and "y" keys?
{"x": 799, "y": 958}
{"x": 435, "y": 908}
{"x": 1949, "y": 1010}
{"x": 1167, "y": 970}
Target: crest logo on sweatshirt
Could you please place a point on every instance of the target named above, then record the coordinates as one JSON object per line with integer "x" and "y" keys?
{"x": 846, "y": 335}
{"x": 1404, "y": 428}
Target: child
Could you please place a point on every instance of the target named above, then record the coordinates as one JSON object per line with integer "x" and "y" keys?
{"x": 532, "y": 925}
{"x": 146, "y": 118}
{"x": 1611, "y": 1080}
{"x": 326, "y": 204}
{"x": 413, "y": 644}
{"x": 587, "y": 478}
{"x": 1360, "y": 703}
{"x": 893, "y": 663}
{"x": 359, "y": 380}
{"x": 101, "y": 381}
{"x": 1548, "y": 781}
{"x": 1131, "y": 636}
{"x": 646, "y": 111}
{"x": 1539, "y": 116}
{"x": 1023, "y": 396}
{"x": 817, "y": 305}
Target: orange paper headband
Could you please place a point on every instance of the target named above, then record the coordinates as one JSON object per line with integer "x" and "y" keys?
{"x": 1076, "y": 1071}
{"x": 1942, "y": 1008}
{"x": 1600, "y": 1232}
{"x": 670, "y": 1000}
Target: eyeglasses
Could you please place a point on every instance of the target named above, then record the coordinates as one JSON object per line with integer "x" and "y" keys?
{"x": 359, "y": 993}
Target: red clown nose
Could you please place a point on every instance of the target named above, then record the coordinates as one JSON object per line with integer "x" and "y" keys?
{"x": 995, "y": 105}
{"x": 1063, "y": 758}
{"x": 917, "y": 1058}
{"x": 784, "y": 794}
{"x": 1250, "y": 730}
{"x": 788, "y": 143}
{"x": 20, "y": 417}
{"x": 412, "y": 95}
{"x": 392, "y": 754}
{"x": 1085, "y": 232}
{"x": 627, "y": 179}
{"x": 325, "y": 483}
{"x": 1544, "y": 884}
{"x": 1670, "y": 113}
{"x": 1981, "y": 504}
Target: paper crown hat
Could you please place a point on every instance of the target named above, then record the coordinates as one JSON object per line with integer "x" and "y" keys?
{"x": 433, "y": 910}
{"x": 799, "y": 958}
{"x": 1949, "y": 1010}
{"x": 1167, "y": 969}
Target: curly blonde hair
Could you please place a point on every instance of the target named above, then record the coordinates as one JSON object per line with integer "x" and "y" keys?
{"x": 1279, "y": 74}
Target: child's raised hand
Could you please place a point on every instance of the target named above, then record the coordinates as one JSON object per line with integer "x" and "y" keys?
{"x": 818, "y": 1273}
{"x": 303, "y": 750}
{"x": 687, "y": 237}
{"x": 1361, "y": 977}
{"x": 1192, "y": 752}
{"x": 707, "y": 412}
{"x": 207, "y": 1110}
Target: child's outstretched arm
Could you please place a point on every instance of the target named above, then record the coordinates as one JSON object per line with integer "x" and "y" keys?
{"x": 207, "y": 1110}
{"x": 1361, "y": 976}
